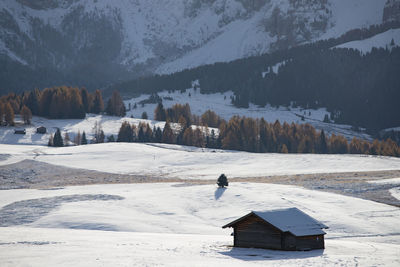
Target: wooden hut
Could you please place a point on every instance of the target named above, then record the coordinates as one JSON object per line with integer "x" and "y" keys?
{"x": 284, "y": 229}
{"x": 41, "y": 130}
{"x": 19, "y": 131}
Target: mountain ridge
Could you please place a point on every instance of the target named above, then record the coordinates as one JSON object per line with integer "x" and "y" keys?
{"x": 111, "y": 41}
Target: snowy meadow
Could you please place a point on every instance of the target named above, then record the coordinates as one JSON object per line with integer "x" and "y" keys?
{"x": 178, "y": 224}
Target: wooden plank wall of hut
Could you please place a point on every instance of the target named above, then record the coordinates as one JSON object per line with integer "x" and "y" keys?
{"x": 253, "y": 232}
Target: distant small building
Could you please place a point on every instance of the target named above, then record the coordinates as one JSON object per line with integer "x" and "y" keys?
{"x": 19, "y": 131}
{"x": 41, "y": 130}
{"x": 283, "y": 229}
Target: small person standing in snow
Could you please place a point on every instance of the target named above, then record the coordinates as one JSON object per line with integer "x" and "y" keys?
{"x": 222, "y": 181}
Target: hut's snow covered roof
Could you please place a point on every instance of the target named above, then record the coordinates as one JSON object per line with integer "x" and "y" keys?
{"x": 290, "y": 220}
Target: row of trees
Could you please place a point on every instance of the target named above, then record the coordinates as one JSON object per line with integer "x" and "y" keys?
{"x": 257, "y": 135}
{"x": 58, "y": 103}
{"x": 9, "y": 106}
{"x": 58, "y": 141}
{"x": 182, "y": 114}
{"x": 239, "y": 133}
{"x": 254, "y": 135}
{"x": 79, "y": 139}
{"x": 248, "y": 134}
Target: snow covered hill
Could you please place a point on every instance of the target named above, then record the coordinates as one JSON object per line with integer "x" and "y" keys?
{"x": 221, "y": 104}
{"x": 178, "y": 225}
{"x": 388, "y": 39}
{"x": 173, "y": 161}
{"x": 147, "y": 36}
{"x": 109, "y": 124}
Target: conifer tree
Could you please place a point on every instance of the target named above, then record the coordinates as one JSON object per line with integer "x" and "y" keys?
{"x": 9, "y": 114}
{"x": 78, "y": 138}
{"x": 355, "y": 146}
{"x": 375, "y": 147}
{"x": 198, "y": 137}
{"x": 26, "y": 114}
{"x": 86, "y": 99}
{"x": 210, "y": 118}
{"x": 158, "y": 135}
{"x": 125, "y": 133}
{"x": 211, "y": 139}
{"x": 183, "y": 123}
{"x": 148, "y": 133}
{"x": 222, "y": 181}
{"x": 188, "y": 137}
{"x": 167, "y": 134}
{"x": 159, "y": 113}
{"x": 323, "y": 147}
{"x": 98, "y": 105}
{"x": 57, "y": 139}
{"x": 84, "y": 139}
{"x": 33, "y": 101}
{"x": 1, "y": 113}
{"x": 141, "y": 132}
{"x": 144, "y": 115}
{"x": 74, "y": 103}
{"x": 115, "y": 105}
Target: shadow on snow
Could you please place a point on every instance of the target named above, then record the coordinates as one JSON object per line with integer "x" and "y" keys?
{"x": 257, "y": 254}
{"x": 218, "y": 193}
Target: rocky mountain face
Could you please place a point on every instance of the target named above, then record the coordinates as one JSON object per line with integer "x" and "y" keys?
{"x": 391, "y": 12}
{"x": 97, "y": 42}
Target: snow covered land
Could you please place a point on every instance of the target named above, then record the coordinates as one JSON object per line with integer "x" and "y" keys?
{"x": 109, "y": 124}
{"x": 178, "y": 225}
{"x": 382, "y": 40}
{"x": 220, "y": 103}
{"x": 172, "y": 161}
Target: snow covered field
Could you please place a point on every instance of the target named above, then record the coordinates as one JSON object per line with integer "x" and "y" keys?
{"x": 176, "y": 225}
{"x": 109, "y": 124}
{"x": 173, "y": 161}
{"x": 382, "y": 40}
{"x": 220, "y": 103}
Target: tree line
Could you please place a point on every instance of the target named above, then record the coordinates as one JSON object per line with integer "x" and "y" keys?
{"x": 248, "y": 134}
{"x": 239, "y": 133}
{"x": 58, "y": 103}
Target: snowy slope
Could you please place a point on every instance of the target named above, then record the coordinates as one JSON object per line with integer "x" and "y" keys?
{"x": 173, "y": 161}
{"x": 177, "y": 225}
{"x": 220, "y": 103}
{"x": 242, "y": 40}
{"x": 185, "y": 34}
{"x": 395, "y": 192}
{"x": 382, "y": 40}
{"x": 109, "y": 124}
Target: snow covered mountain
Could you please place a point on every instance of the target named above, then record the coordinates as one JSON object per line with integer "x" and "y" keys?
{"x": 117, "y": 38}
